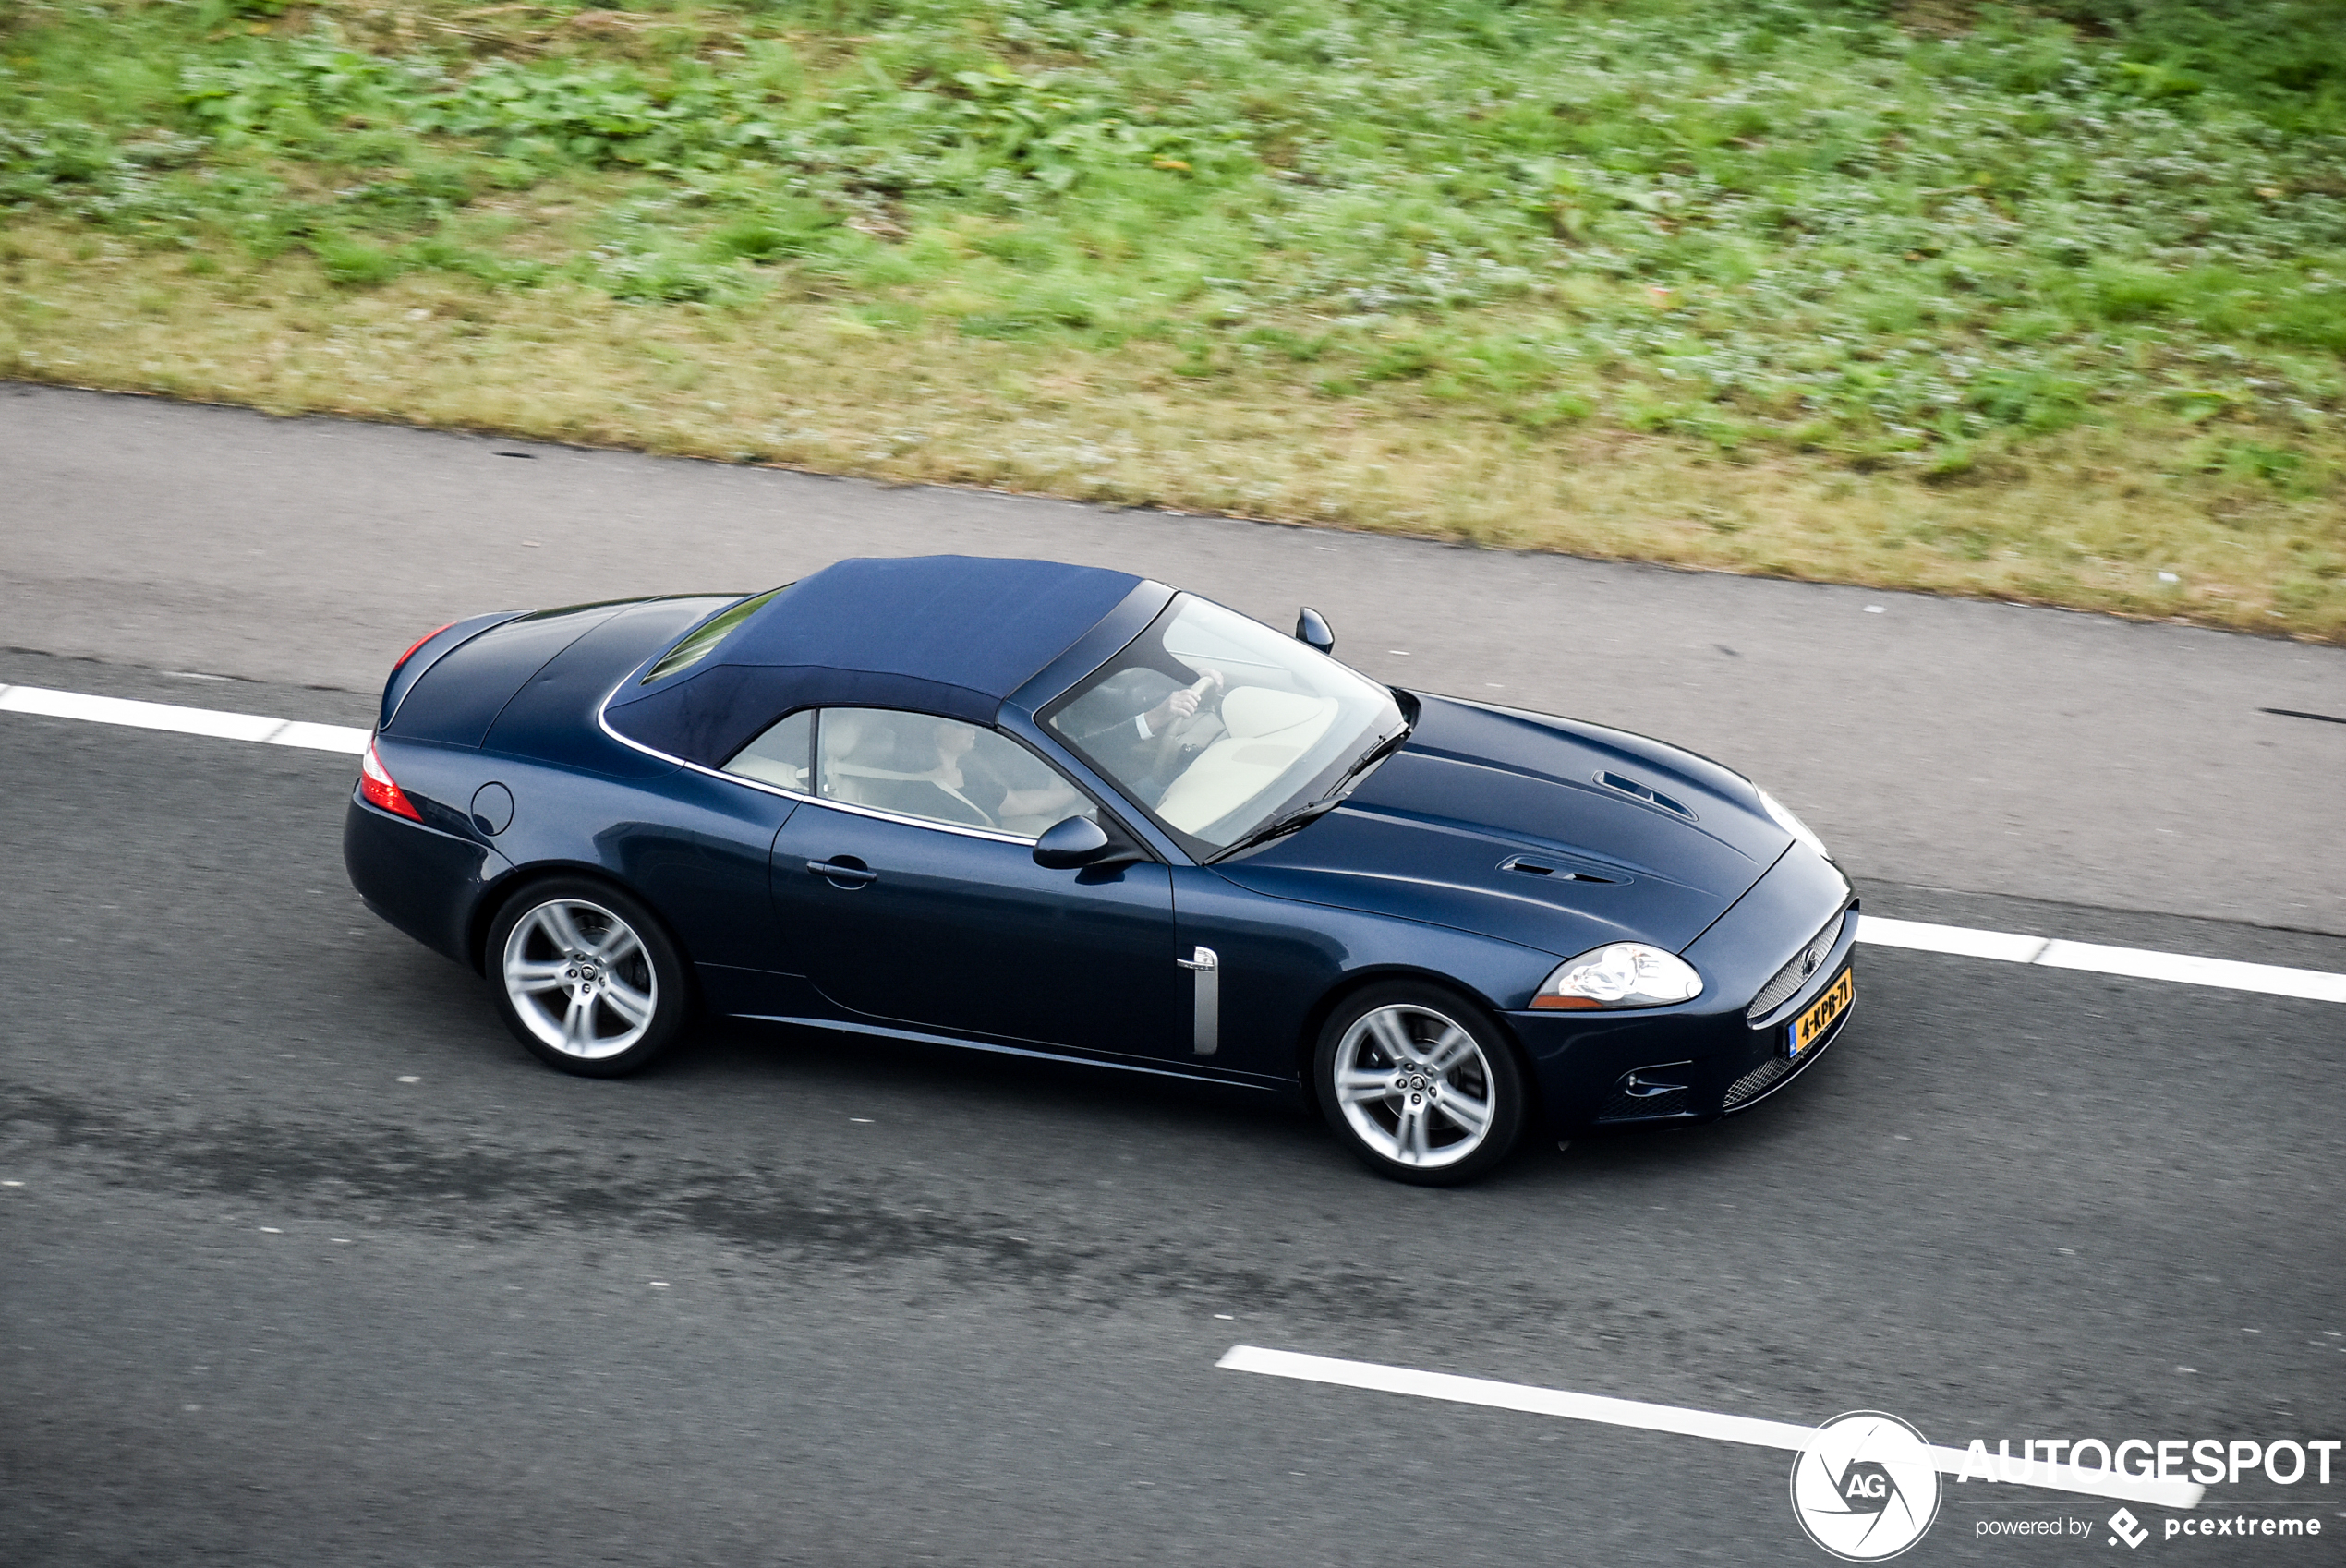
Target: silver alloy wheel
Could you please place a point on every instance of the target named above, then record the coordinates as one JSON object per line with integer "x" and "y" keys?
{"x": 1414, "y": 1086}
{"x": 579, "y": 979}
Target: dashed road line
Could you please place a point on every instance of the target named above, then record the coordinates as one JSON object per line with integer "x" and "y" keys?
{"x": 2139, "y": 963}
{"x": 1720, "y": 1428}
{"x": 215, "y": 723}
{"x": 2006, "y": 946}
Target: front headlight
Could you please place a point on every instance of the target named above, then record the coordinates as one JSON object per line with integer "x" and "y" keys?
{"x": 1620, "y": 974}
{"x": 1792, "y": 825}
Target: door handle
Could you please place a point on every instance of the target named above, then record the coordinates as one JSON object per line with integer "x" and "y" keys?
{"x": 845, "y": 873}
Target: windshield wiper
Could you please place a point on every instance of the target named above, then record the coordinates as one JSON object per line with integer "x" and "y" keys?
{"x": 1279, "y": 826}
{"x": 1368, "y": 759}
{"x": 1288, "y": 822}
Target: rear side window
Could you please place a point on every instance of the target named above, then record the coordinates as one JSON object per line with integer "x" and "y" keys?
{"x": 784, "y": 755}
{"x": 703, "y": 643}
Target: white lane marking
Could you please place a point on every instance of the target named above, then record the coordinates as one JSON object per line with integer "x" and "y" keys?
{"x": 2008, "y": 947}
{"x": 2140, "y": 963}
{"x": 1711, "y": 1424}
{"x": 320, "y": 737}
{"x": 225, "y": 725}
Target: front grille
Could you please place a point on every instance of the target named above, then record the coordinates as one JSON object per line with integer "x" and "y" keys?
{"x": 1623, "y": 1107}
{"x": 1758, "y": 1081}
{"x": 1797, "y": 970}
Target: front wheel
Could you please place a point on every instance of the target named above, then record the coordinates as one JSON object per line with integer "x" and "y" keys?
{"x": 1419, "y": 1084}
{"x": 585, "y": 978}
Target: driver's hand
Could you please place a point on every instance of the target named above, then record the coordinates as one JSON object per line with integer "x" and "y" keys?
{"x": 1171, "y": 711}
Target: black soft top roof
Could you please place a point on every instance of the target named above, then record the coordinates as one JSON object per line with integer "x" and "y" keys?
{"x": 950, "y": 634}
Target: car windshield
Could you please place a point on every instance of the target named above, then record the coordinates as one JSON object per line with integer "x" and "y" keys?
{"x": 1218, "y": 726}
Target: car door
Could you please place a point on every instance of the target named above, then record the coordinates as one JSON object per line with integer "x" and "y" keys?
{"x": 907, "y": 892}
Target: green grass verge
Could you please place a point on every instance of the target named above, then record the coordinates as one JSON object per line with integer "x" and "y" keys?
{"x": 2042, "y": 306}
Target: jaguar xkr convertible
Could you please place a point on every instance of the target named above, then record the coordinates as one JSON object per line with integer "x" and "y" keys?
{"x": 1058, "y": 811}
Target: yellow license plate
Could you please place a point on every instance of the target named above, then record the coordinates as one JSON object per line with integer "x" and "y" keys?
{"x": 1810, "y": 1025}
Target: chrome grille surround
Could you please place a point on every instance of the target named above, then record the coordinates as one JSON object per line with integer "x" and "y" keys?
{"x": 1797, "y": 970}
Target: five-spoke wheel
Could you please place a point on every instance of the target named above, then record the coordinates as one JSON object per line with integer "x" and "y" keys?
{"x": 586, "y": 977}
{"x": 1420, "y": 1083}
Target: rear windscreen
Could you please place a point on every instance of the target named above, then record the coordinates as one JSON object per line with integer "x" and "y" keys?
{"x": 703, "y": 640}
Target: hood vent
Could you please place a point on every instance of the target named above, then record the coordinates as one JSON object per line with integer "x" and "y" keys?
{"x": 1649, "y": 796}
{"x": 1531, "y": 868}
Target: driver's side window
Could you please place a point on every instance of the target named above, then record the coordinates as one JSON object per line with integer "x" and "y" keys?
{"x": 940, "y": 769}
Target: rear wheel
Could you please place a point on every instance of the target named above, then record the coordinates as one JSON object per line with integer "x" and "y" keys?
{"x": 586, "y": 977}
{"x": 1419, "y": 1084}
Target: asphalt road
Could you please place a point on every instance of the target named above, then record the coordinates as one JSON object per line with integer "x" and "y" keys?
{"x": 1992, "y": 748}
{"x": 789, "y": 1298}
{"x": 268, "y": 1302}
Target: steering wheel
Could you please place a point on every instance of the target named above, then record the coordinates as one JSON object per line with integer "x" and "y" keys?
{"x": 1170, "y": 740}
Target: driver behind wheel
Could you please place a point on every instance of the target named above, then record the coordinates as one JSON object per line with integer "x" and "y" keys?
{"x": 1135, "y": 722}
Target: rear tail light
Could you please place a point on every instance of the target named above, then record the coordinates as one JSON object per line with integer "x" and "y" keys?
{"x": 397, "y": 663}
{"x": 378, "y": 789}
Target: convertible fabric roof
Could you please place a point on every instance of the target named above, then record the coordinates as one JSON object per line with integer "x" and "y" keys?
{"x": 950, "y": 634}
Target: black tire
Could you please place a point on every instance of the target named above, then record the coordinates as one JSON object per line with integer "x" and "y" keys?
{"x": 1360, "y": 1041}
{"x": 572, "y": 985}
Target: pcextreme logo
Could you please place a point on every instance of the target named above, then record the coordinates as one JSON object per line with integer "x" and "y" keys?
{"x": 2130, "y": 1532}
{"x": 1866, "y": 1488}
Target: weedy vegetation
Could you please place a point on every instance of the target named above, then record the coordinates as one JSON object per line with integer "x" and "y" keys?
{"x": 2048, "y": 305}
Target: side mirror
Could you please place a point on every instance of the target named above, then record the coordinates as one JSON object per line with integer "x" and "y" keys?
{"x": 1079, "y": 841}
{"x": 1311, "y": 627}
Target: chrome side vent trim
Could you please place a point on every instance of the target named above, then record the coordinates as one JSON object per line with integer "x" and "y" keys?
{"x": 1645, "y": 792}
{"x": 1205, "y": 1007}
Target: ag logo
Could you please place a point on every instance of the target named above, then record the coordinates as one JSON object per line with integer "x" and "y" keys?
{"x": 1865, "y": 1487}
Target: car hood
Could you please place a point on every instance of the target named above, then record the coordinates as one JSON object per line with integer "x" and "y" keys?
{"x": 1640, "y": 840}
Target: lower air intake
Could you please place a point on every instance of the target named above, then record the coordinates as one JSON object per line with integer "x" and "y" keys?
{"x": 1758, "y": 1081}
{"x": 1620, "y": 1107}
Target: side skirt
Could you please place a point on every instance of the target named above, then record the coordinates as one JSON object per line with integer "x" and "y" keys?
{"x": 918, "y": 1036}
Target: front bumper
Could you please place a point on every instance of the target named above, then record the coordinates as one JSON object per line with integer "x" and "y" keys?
{"x": 1706, "y": 1058}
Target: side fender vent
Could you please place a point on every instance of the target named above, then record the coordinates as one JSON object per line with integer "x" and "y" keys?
{"x": 1650, "y": 795}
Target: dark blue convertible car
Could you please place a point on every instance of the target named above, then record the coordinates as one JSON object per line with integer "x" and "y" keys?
{"x": 1064, "y": 811}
